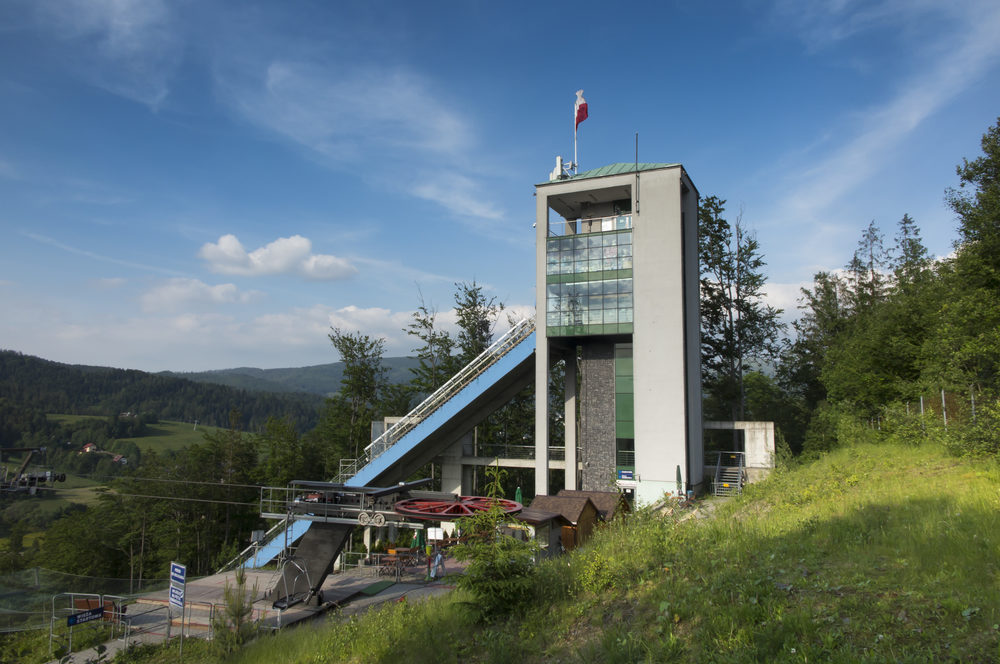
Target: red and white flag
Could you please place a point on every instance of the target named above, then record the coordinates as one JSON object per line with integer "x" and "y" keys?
{"x": 581, "y": 108}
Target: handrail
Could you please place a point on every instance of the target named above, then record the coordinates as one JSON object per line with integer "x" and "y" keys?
{"x": 244, "y": 554}
{"x": 517, "y": 333}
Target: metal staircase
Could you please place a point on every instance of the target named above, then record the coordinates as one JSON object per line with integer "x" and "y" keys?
{"x": 730, "y": 474}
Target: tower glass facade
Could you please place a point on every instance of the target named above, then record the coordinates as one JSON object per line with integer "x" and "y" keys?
{"x": 589, "y": 279}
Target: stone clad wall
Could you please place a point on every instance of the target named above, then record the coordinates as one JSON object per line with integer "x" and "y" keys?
{"x": 597, "y": 415}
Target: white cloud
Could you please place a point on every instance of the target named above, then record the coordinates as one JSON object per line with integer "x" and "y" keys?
{"x": 286, "y": 255}
{"x": 128, "y": 47}
{"x": 375, "y": 119}
{"x": 44, "y": 239}
{"x": 963, "y": 55}
{"x": 459, "y": 194}
{"x": 345, "y": 113}
{"x": 181, "y": 293}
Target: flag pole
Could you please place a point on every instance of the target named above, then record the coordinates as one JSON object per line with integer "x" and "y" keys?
{"x": 576, "y": 127}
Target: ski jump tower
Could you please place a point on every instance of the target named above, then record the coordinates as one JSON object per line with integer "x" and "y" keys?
{"x": 617, "y": 296}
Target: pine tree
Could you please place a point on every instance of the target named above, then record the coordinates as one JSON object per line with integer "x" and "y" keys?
{"x": 737, "y": 326}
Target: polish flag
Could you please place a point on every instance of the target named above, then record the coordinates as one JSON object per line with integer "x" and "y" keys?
{"x": 581, "y": 108}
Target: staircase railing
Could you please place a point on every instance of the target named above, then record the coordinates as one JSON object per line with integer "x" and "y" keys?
{"x": 729, "y": 477}
{"x": 515, "y": 335}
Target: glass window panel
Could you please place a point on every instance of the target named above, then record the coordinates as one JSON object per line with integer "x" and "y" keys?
{"x": 579, "y": 266}
{"x": 551, "y": 244}
{"x": 579, "y": 242}
{"x": 610, "y": 240}
{"x": 625, "y": 238}
{"x": 626, "y": 263}
{"x": 624, "y": 249}
{"x": 621, "y": 222}
{"x": 552, "y": 319}
{"x": 610, "y": 252}
{"x": 624, "y": 405}
{"x": 625, "y": 285}
{"x": 610, "y": 263}
{"x": 624, "y": 300}
{"x": 595, "y": 252}
{"x": 594, "y": 241}
{"x": 625, "y": 315}
{"x": 625, "y": 429}
{"x": 594, "y": 317}
{"x": 610, "y": 315}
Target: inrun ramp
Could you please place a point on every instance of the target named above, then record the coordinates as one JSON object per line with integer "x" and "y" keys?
{"x": 482, "y": 386}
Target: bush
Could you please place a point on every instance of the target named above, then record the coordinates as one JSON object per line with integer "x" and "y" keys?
{"x": 981, "y": 437}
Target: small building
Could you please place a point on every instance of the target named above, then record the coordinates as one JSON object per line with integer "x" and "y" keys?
{"x": 545, "y": 528}
{"x": 579, "y": 511}
{"x": 609, "y": 504}
{"x": 89, "y": 447}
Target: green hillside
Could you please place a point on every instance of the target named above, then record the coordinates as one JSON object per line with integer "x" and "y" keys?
{"x": 323, "y": 379}
{"x": 874, "y": 553}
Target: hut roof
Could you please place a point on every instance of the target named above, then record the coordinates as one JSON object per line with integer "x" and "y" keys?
{"x": 570, "y": 507}
{"x": 607, "y": 502}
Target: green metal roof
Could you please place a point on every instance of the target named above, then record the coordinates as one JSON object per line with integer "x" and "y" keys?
{"x": 615, "y": 169}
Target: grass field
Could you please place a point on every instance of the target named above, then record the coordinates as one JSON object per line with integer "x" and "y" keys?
{"x": 161, "y": 436}
{"x": 164, "y": 436}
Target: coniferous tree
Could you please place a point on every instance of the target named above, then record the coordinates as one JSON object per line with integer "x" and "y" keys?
{"x": 361, "y": 386}
{"x": 737, "y": 326}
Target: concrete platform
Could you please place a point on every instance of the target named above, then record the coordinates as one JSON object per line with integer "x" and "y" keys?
{"x": 148, "y": 614}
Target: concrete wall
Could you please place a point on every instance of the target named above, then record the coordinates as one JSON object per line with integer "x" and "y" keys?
{"x": 663, "y": 345}
{"x": 758, "y": 445}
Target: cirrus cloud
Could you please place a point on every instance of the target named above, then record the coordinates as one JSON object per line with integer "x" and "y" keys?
{"x": 286, "y": 255}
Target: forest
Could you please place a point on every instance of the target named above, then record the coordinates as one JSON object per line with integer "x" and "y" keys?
{"x": 872, "y": 338}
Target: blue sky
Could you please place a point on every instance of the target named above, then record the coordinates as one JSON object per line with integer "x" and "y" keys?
{"x": 194, "y": 185}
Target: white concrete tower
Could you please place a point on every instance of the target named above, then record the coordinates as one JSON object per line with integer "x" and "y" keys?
{"x": 616, "y": 266}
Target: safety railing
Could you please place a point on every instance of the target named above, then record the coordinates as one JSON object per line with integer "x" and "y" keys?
{"x": 515, "y": 335}
{"x": 252, "y": 549}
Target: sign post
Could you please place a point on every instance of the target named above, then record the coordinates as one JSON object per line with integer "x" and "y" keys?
{"x": 178, "y": 579}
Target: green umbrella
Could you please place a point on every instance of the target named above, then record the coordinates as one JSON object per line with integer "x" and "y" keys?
{"x": 517, "y": 496}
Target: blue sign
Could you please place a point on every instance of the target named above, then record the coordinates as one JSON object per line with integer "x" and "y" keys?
{"x": 85, "y": 616}
{"x": 626, "y": 474}
{"x": 178, "y": 573}
{"x": 177, "y": 596}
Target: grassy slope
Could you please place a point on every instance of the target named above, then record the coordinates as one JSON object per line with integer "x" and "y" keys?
{"x": 871, "y": 554}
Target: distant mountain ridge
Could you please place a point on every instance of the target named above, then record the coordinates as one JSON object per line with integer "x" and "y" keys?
{"x": 322, "y": 379}
{"x": 28, "y": 382}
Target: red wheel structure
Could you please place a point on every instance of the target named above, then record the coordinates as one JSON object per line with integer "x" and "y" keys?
{"x": 446, "y": 510}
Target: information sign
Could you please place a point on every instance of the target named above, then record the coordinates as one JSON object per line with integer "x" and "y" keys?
{"x": 85, "y": 616}
{"x": 178, "y": 574}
